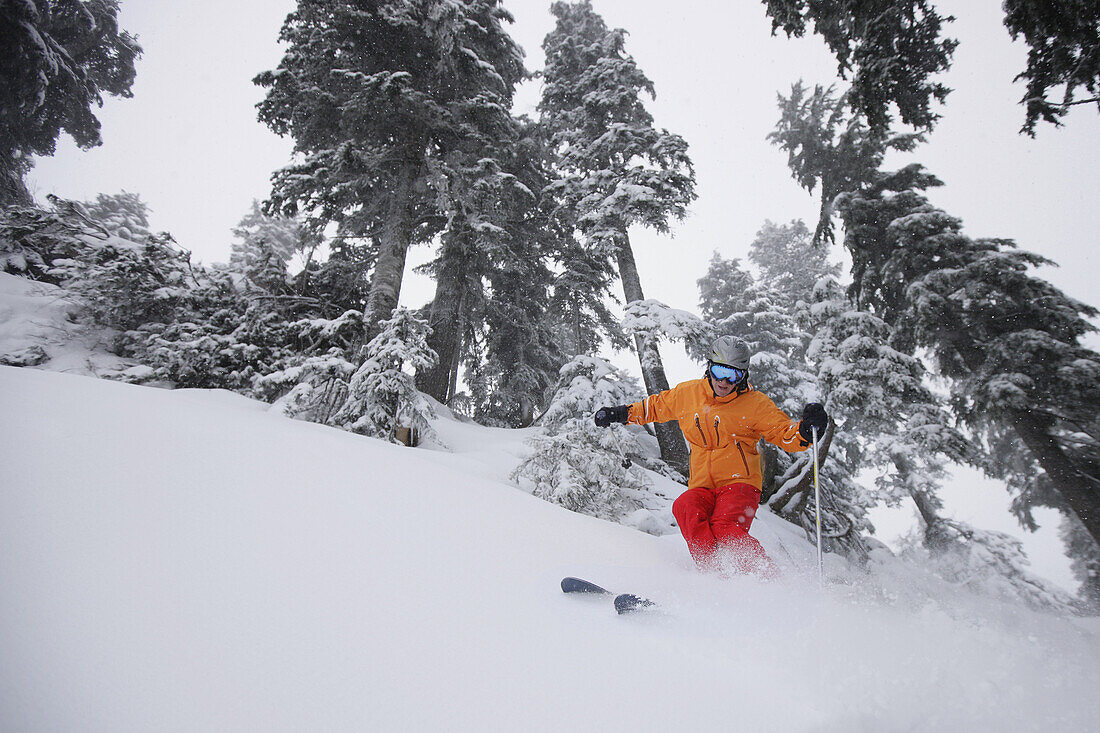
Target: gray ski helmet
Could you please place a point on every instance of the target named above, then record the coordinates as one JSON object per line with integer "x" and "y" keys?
{"x": 730, "y": 351}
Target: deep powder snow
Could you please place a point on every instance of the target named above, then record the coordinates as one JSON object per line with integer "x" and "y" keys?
{"x": 187, "y": 560}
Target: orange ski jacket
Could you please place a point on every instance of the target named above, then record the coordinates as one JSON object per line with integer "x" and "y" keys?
{"x": 722, "y": 431}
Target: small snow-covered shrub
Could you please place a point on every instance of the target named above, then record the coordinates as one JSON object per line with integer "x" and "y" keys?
{"x": 381, "y": 395}
{"x": 124, "y": 284}
{"x": 33, "y": 239}
{"x": 312, "y": 390}
{"x": 578, "y": 465}
{"x": 586, "y": 384}
{"x": 575, "y": 467}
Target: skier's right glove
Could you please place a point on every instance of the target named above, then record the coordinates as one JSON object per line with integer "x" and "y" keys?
{"x": 607, "y": 415}
{"x": 814, "y": 416}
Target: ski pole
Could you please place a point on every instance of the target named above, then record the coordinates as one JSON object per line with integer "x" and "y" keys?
{"x": 626, "y": 461}
{"x": 817, "y": 514}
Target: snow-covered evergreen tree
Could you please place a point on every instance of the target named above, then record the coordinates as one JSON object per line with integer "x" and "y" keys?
{"x": 381, "y": 395}
{"x": 1084, "y": 560}
{"x": 265, "y": 246}
{"x": 282, "y": 235}
{"x": 617, "y": 170}
{"x": 120, "y": 282}
{"x": 1064, "y": 55}
{"x": 57, "y": 60}
{"x": 490, "y": 310}
{"x": 341, "y": 280}
{"x": 125, "y": 284}
{"x": 132, "y": 276}
{"x": 513, "y": 377}
{"x": 569, "y": 468}
{"x": 724, "y": 282}
{"x": 829, "y": 146}
{"x": 578, "y": 465}
{"x": 123, "y": 214}
{"x": 990, "y": 563}
{"x": 887, "y": 418}
{"x": 1009, "y": 341}
{"x": 891, "y": 50}
{"x": 318, "y": 387}
{"x": 656, "y": 322}
{"x": 585, "y": 384}
{"x": 379, "y": 98}
{"x": 788, "y": 260}
{"x": 579, "y": 300}
{"x": 231, "y": 327}
{"x": 41, "y": 243}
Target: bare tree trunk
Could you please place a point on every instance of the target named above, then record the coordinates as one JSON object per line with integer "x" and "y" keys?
{"x": 669, "y": 436}
{"x": 13, "y": 191}
{"x": 394, "y": 241}
{"x": 445, "y": 318}
{"x": 925, "y": 508}
{"x": 1080, "y": 489}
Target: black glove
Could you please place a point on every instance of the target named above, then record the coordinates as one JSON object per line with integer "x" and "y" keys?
{"x": 607, "y": 415}
{"x": 814, "y": 416}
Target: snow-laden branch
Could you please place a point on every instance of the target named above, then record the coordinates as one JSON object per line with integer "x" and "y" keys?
{"x": 652, "y": 319}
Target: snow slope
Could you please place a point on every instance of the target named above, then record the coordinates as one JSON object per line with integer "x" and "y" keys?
{"x": 38, "y": 326}
{"x": 189, "y": 561}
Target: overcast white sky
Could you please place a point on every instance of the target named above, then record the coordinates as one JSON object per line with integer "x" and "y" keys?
{"x": 190, "y": 145}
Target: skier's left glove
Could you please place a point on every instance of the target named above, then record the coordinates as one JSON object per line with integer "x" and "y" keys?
{"x": 814, "y": 416}
{"x": 607, "y": 415}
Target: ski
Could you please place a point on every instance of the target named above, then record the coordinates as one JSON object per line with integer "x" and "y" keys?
{"x": 628, "y": 603}
{"x": 576, "y": 585}
{"x": 624, "y": 602}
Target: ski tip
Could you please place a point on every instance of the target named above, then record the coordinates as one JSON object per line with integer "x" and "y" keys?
{"x": 628, "y": 602}
{"x": 576, "y": 585}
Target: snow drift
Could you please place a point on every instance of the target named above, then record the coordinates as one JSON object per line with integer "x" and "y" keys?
{"x": 188, "y": 560}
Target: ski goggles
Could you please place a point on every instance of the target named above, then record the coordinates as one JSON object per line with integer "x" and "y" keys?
{"x": 728, "y": 373}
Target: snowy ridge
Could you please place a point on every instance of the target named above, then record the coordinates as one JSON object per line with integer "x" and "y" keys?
{"x": 38, "y": 326}
{"x": 189, "y": 560}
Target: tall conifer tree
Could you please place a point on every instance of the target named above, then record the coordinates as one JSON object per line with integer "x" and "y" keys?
{"x": 890, "y": 49}
{"x": 57, "y": 60}
{"x": 380, "y": 97}
{"x": 493, "y": 278}
{"x": 1009, "y": 341}
{"x": 1064, "y": 38}
{"x": 617, "y": 170}
{"x": 879, "y": 399}
{"x": 789, "y": 261}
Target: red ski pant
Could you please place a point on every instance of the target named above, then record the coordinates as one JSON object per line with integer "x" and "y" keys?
{"x": 714, "y": 520}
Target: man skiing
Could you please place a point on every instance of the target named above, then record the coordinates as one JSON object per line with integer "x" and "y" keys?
{"x": 722, "y": 417}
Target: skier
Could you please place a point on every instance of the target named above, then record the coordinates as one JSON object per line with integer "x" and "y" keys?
{"x": 722, "y": 417}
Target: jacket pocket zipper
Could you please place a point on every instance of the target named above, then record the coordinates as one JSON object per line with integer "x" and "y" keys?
{"x": 743, "y": 459}
{"x": 700, "y": 429}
